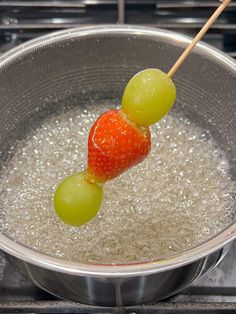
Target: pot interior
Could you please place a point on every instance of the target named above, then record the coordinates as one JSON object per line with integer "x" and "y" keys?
{"x": 77, "y": 67}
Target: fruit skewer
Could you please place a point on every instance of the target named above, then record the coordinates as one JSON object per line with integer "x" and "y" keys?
{"x": 120, "y": 139}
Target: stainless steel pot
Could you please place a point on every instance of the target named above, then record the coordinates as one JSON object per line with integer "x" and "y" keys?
{"x": 86, "y": 62}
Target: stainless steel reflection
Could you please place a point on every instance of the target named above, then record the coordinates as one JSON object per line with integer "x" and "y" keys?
{"x": 109, "y": 291}
{"x": 88, "y": 62}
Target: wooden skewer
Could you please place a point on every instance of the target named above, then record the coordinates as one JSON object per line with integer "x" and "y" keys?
{"x": 199, "y": 36}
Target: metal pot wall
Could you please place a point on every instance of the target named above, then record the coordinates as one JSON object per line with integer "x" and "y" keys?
{"x": 89, "y": 62}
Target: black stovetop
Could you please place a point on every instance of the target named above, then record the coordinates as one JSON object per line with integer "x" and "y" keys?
{"x": 214, "y": 293}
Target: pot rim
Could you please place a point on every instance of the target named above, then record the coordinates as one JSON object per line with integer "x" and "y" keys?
{"x": 116, "y": 270}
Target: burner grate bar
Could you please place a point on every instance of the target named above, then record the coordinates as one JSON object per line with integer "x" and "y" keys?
{"x": 52, "y": 4}
{"x": 58, "y": 307}
{"x": 190, "y": 5}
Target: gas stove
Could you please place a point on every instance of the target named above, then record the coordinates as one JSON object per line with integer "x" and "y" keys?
{"x": 24, "y": 20}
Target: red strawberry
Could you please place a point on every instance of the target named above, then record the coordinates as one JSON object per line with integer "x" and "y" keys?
{"x": 115, "y": 144}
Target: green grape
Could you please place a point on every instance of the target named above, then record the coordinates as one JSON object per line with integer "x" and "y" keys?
{"x": 148, "y": 96}
{"x": 76, "y": 200}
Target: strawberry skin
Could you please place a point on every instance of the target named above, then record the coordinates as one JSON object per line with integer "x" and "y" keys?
{"x": 115, "y": 145}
